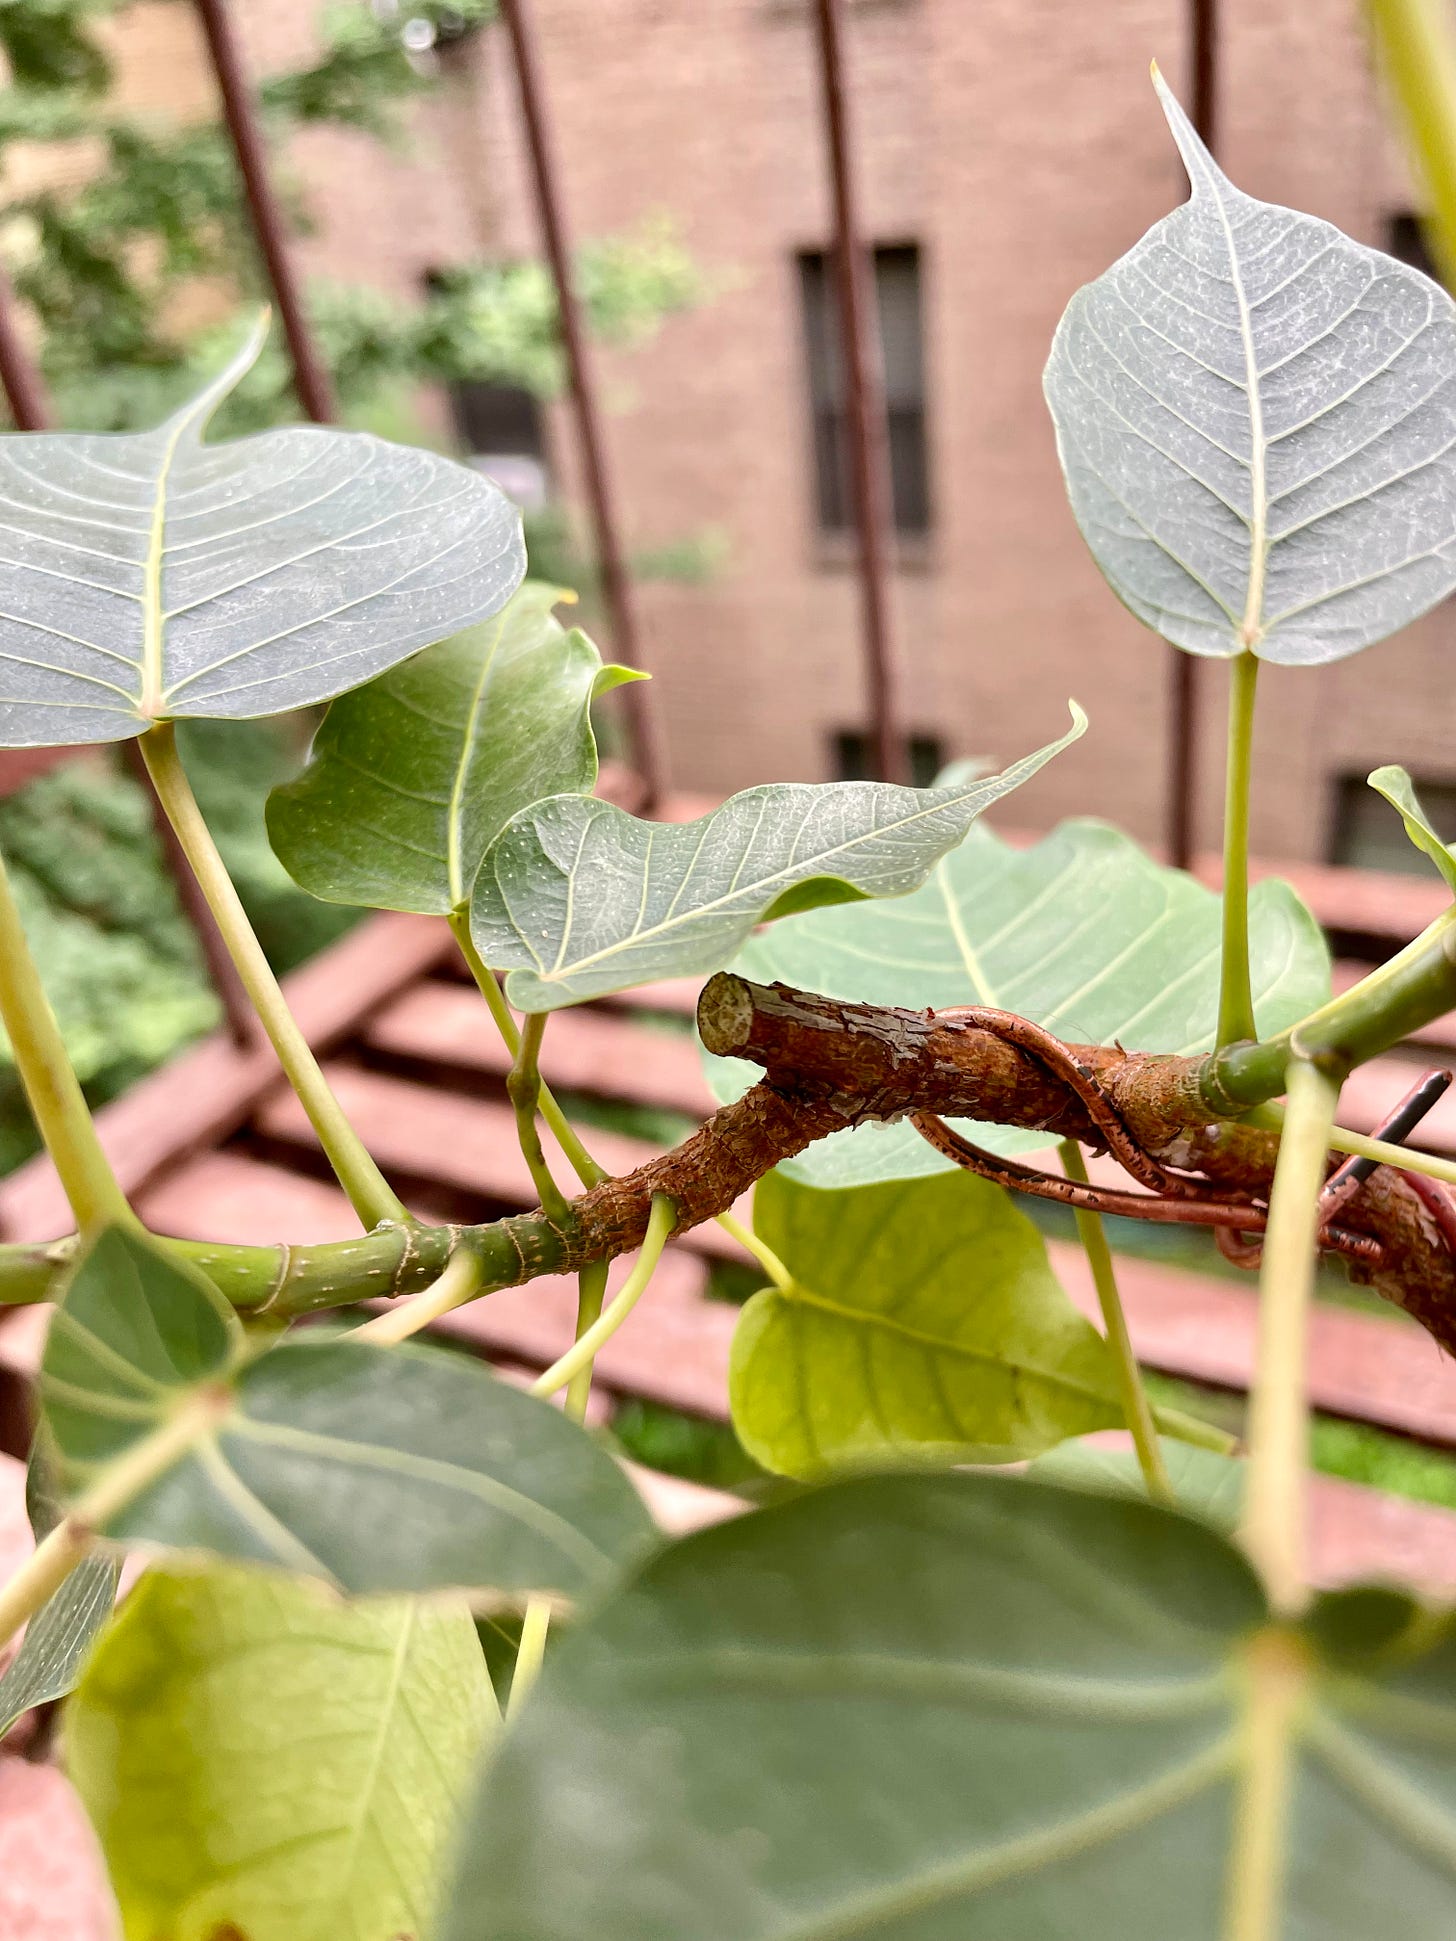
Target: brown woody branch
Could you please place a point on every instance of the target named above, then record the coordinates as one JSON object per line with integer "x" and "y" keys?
{"x": 840, "y": 1064}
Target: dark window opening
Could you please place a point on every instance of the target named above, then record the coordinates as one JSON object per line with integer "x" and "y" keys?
{"x": 1368, "y": 834}
{"x": 1405, "y": 239}
{"x": 501, "y": 426}
{"x": 897, "y": 292}
{"x": 852, "y": 757}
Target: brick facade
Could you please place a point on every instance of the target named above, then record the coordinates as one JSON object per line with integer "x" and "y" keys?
{"x": 1019, "y": 144}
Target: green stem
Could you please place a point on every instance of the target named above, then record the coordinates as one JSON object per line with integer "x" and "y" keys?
{"x": 1404, "y": 1159}
{"x": 51, "y": 1087}
{"x": 591, "y": 1288}
{"x": 369, "y": 1193}
{"x": 583, "y": 1352}
{"x": 1417, "y": 49}
{"x": 1236, "y": 998}
{"x": 579, "y": 1159}
{"x": 762, "y": 1252}
{"x": 1193, "y": 1430}
{"x": 459, "y": 1283}
{"x": 1397, "y": 1001}
{"x": 1274, "y": 1519}
{"x": 1136, "y": 1409}
{"x": 1276, "y": 1675}
{"x": 529, "y": 1652}
{"x": 591, "y": 1292}
{"x": 524, "y": 1088}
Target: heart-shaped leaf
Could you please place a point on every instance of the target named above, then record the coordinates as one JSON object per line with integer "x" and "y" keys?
{"x": 969, "y": 1708}
{"x": 376, "y": 1468}
{"x": 577, "y": 898}
{"x": 1399, "y": 791}
{"x": 262, "y": 1760}
{"x": 413, "y": 776}
{"x": 1255, "y": 417}
{"x": 924, "y": 1324}
{"x": 149, "y": 576}
{"x": 1082, "y": 932}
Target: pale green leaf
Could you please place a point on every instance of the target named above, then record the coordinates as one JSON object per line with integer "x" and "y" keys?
{"x": 151, "y": 576}
{"x": 1254, "y": 414}
{"x": 961, "y": 1708}
{"x": 577, "y": 898}
{"x": 412, "y": 777}
{"x": 1205, "y": 1484}
{"x": 260, "y": 1760}
{"x": 57, "y": 1639}
{"x": 1399, "y": 791}
{"x": 375, "y": 1468}
{"x": 1083, "y": 933}
{"x": 63, "y": 1630}
{"x": 924, "y": 1325}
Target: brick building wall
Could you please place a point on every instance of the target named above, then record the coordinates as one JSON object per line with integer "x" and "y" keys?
{"x": 1017, "y": 142}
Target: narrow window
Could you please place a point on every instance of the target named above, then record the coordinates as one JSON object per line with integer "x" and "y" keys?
{"x": 500, "y": 427}
{"x": 1405, "y": 239}
{"x": 897, "y": 292}
{"x": 851, "y": 750}
{"x": 1367, "y": 832}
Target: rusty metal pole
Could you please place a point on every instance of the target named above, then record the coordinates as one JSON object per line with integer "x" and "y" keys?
{"x": 637, "y": 698}
{"x": 1186, "y": 671}
{"x": 869, "y": 435}
{"x": 310, "y": 378}
{"x": 30, "y": 408}
{"x": 22, "y": 382}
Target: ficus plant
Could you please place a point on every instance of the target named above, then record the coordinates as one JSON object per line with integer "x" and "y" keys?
{"x": 922, "y": 1694}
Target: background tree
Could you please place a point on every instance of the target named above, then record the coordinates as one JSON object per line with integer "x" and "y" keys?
{"x": 102, "y": 264}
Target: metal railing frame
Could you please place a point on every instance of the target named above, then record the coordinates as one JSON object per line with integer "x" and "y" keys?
{"x": 865, "y": 400}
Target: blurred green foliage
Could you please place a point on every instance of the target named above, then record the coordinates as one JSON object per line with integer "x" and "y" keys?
{"x": 101, "y": 262}
{"x": 119, "y": 959}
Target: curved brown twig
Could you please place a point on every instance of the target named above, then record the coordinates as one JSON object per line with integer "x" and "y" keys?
{"x": 1064, "y": 1064}
{"x": 863, "y": 1062}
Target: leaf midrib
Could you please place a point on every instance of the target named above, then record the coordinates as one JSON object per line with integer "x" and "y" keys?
{"x": 455, "y": 814}
{"x": 799, "y": 1295}
{"x": 789, "y": 873}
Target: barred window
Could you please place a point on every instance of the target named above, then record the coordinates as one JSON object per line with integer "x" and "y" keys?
{"x": 897, "y": 291}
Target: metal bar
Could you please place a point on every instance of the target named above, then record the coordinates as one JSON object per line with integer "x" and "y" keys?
{"x": 637, "y": 698}
{"x": 310, "y": 378}
{"x": 869, "y": 436}
{"x": 24, "y": 387}
{"x": 31, "y": 409}
{"x": 1185, "y": 671}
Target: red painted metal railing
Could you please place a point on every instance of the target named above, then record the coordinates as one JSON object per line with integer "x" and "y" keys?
{"x": 869, "y": 434}
{"x": 869, "y": 462}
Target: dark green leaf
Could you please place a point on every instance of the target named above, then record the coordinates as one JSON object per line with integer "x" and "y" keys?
{"x": 1254, "y": 417}
{"x": 1082, "y": 932}
{"x": 959, "y": 1708}
{"x": 261, "y": 1760}
{"x": 377, "y": 1468}
{"x": 151, "y": 576}
{"x": 414, "y": 776}
{"x": 924, "y": 1324}
{"x": 578, "y": 898}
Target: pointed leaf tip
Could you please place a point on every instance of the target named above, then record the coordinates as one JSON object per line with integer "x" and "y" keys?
{"x": 1203, "y": 171}
{"x": 1233, "y": 417}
